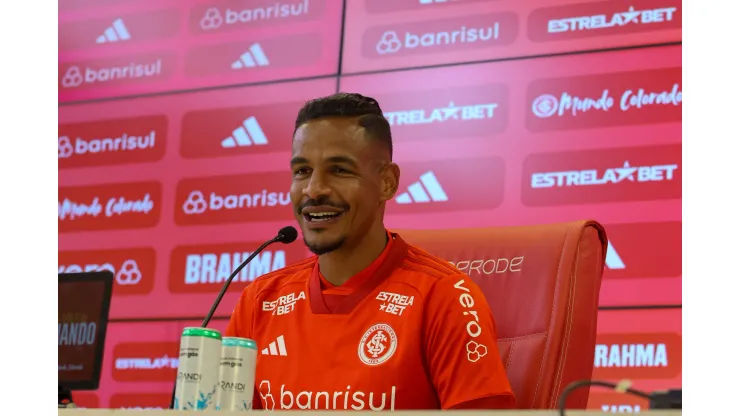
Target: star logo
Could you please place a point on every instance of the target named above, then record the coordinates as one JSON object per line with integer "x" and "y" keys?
{"x": 626, "y": 172}
{"x": 630, "y": 16}
{"x": 451, "y": 111}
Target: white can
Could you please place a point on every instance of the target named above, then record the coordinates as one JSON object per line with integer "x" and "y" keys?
{"x": 197, "y": 371}
{"x": 236, "y": 374}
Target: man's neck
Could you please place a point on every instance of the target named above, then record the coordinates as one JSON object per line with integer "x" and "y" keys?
{"x": 338, "y": 266}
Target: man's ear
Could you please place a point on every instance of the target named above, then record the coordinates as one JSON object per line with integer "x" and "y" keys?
{"x": 389, "y": 179}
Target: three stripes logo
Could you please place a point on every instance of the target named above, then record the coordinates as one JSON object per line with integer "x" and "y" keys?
{"x": 117, "y": 32}
{"x": 613, "y": 260}
{"x": 426, "y": 189}
{"x": 276, "y": 347}
{"x": 254, "y": 57}
{"x": 248, "y": 134}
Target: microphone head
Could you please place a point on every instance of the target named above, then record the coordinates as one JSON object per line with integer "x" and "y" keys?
{"x": 287, "y": 235}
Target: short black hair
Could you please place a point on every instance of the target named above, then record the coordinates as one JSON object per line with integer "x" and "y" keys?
{"x": 345, "y": 104}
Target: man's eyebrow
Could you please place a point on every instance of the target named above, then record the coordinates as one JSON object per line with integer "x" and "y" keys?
{"x": 298, "y": 160}
{"x": 332, "y": 159}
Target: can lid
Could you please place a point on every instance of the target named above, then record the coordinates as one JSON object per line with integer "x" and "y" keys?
{"x": 201, "y": 332}
{"x": 239, "y": 342}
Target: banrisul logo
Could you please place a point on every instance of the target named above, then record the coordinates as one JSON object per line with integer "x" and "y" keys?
{"x": 116, "y": 71}
{"x": 455, "y": 34}
{"x": 257, "y": 13}
{"x": 77, "y": 76}
{"x": 112, "y": 141}
{"x": 238, "y": 198}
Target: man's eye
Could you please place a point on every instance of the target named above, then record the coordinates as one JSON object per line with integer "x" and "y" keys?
{"x": 301, "y": 171}
{"x": 338, "y": 169}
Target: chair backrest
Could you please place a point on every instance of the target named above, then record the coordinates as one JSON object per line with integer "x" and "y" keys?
{"x": 542, "y": 283}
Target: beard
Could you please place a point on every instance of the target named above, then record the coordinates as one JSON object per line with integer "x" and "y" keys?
{"x": 325, "y": 247}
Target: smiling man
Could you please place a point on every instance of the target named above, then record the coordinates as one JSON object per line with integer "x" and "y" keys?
{"x": 370, "y": 322}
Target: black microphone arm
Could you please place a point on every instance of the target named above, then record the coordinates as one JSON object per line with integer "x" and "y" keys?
{"x": 286, "y": 235}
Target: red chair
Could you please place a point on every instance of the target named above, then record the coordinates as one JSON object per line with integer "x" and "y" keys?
{"x": 542, "y": 283}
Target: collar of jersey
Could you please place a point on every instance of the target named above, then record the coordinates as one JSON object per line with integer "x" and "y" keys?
{"x": 363, "y": 282}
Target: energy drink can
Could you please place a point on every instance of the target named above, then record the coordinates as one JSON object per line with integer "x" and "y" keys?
{"x": 236, "y": 374}
{"x": 197, "y": 371}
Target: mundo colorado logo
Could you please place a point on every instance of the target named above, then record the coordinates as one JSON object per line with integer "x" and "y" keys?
{"x": 110, "y": 206}
{"x": 602, "y": 100}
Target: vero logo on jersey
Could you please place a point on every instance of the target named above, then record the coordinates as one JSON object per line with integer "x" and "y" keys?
{"x": 426, "y": 189}
{"x": 117, "y": 32}
{"x": 253, "y": 57}
{"x": 276, "y": 347}
{"x": 248, "y": 134}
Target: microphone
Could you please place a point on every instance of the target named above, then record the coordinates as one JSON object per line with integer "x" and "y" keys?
{"x": 286, "y": 235}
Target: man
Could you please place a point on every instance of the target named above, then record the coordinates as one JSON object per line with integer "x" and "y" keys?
{"x": 370, "y": 322}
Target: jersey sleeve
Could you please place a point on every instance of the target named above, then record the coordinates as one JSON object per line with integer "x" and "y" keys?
{"x": 461, "y": 350}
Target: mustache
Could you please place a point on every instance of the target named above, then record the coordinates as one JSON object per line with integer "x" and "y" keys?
{"x": 322, "y": 201}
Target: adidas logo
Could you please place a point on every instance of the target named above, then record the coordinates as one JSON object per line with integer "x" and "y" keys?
{"x": 613, "y": 261}
{"x": 247, "y": 134}
{"x": 426, "y": 189}
{"x": 115, "y": 33}
{"x": 276, "y": 347}
{"x": 255, "y": 56}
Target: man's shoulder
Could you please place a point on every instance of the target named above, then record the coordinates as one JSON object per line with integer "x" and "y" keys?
{"x": 297, "y": 272}
{"x": 423, "y": 265}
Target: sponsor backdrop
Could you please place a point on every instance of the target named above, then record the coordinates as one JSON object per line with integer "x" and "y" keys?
{"x": 175, "y": 124}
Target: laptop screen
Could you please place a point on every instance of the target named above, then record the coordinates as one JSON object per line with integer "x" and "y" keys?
{"x": 84, "y": 302}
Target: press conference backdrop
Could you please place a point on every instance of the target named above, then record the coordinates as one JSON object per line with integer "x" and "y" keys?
{"x": 175, "y": 124}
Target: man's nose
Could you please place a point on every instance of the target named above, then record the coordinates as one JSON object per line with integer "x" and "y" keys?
{"x": 316, "y": 187}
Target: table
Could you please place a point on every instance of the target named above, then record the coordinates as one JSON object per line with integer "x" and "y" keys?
{"x": 120, "y": 412}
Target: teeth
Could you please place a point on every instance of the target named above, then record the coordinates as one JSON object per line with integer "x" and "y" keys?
{"x": 322, "y": 214}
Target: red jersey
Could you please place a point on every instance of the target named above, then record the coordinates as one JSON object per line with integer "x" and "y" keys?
{"x": 409, "y": 332}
